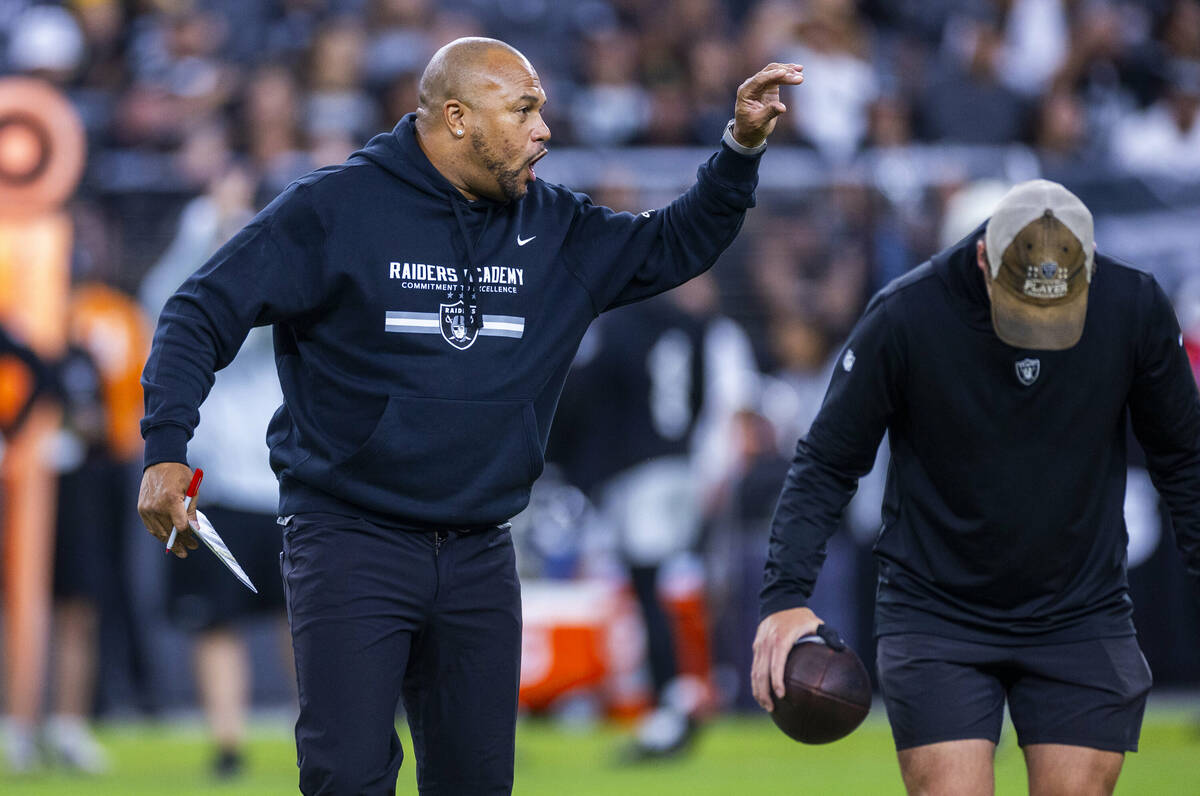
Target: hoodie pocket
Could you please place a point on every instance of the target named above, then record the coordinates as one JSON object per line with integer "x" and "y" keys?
{"x": 445, "y": 460}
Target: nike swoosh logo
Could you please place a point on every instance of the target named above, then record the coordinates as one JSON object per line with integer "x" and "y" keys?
{"x": 521, "y": 242}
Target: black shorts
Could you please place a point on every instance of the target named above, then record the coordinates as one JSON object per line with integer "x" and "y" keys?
{"x": 202, "y": 594}
{"x": 94, "y": 508}
{"x": 1086, "y": 693}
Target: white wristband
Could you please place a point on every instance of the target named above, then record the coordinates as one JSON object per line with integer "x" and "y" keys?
{"x": 732, "y": 143}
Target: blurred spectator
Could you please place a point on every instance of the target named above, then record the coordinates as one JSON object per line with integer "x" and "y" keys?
{"x": 809, "y": 268}
{"x": 611, "y": 107}
{"x": 1164, "y": 139}
{"x": 1061, "y": 136}
{"x": 831, "y": 113}
{"x": 45, "y": 41}
{"x": 337, "y": 105}
{"x": 97, "y": 88}
{"x": 398, "y": 96}
{"x": 1036, "y": 37}
{"x": 742, "y": 549}
{"x": 291, "y": 29}
{"x": 26, "y": 379}
{"x": 964, "y": 99}
{"x": 270, "y": 127}
{"x": 177, "y": 76}
{"x": 889, "y": 122}
{"x": 671, "y": 121}
{"x": 97, "y": 385}
{"x": 202, "y": 155}
{"x": 1180, "y": 30}
{"x": 967, "y": 208}
{"x": 91, "y": 494}
{"x": 1110, "y": 65}
{"x": 713, "y": 65}
{"x": 398, "y": 40}
{"x": 650, "y": 391}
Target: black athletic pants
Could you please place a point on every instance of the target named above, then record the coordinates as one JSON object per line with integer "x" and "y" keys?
{"x": 660, "y": 634}
{"x": 379, "y": 614}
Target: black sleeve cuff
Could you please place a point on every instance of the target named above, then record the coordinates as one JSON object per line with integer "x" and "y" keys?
{"x": 779, "y": 602}
{"x": 166, "y": 443}
{"x": 735, "y": 170}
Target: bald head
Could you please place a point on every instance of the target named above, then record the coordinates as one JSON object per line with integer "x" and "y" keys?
{"x": 479, "y": 118}
{"x": 461, "y": 70}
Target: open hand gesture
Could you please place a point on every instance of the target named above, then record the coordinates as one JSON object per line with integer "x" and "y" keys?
{"x": 758, "y": 103}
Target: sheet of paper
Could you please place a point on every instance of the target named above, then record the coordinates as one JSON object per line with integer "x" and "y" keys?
{"x": 212, "y": 540}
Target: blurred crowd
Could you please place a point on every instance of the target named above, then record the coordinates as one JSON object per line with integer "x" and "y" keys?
{"x": 289, "y": 83}
{"x": 228, "y": 97}
{"x": 198, "y": 112}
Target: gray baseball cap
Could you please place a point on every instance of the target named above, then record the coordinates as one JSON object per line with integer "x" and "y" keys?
{"x": 1040, "y": 244}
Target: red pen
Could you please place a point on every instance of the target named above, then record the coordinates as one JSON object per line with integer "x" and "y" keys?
{"x": 187, "y": 502}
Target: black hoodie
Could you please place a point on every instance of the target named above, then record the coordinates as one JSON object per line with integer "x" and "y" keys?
{"x": 421, "y": 339}
{"x": 1002, "y": 516}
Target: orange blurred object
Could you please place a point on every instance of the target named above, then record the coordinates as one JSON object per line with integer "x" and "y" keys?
{"x": 42, "y": 147}
{"x": 564, "y": 638}
{"x": 587, "y": 637}
{"x": 111, "y": 327}
{"x": 15, "y": 385}
{"x": 42, "y": 150}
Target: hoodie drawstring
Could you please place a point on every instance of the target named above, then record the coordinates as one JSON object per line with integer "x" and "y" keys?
{"x": 470, "y": 300}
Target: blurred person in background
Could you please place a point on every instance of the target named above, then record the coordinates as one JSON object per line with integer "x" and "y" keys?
{"x": 1111, "y": 64}
{"x": 737, "y": 552}
{"x": 27, "y": 378}
{"x": 269, "y": 126}
{"x": 239, "y": 491}
{"x": 31, "y": 372}
{"x": 1061, "y": 137}
{"x": 646, "y": 423}
{"x": 337, "y": 106}
{"x": 964, "y": 99}
{"x": 1036, "y": 38}
{"x": 95, "y": 383}
{"x": 611, "y": 106}
{"x": 414, "y": 419}
{"x": 638, "y": 393}
{"x": 178, "y": 78}
{"x": 89, "y": 516}
{"x": 398, "y": 40}
{"x": 1164, "y": 139}
{"x": 713, "y": 62}
{"x": 666, "y": 33}
{"x": 45, "y": 41}
{"x": 671, "y": 122}
{"x": 830, "y": 38}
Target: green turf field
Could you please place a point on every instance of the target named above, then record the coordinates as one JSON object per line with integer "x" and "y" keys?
{"x": 734, "y": 757}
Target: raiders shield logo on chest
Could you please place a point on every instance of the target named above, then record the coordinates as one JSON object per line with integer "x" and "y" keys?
{"x": 1028, "y": 370}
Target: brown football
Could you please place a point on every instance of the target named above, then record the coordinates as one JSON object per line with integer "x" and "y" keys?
{"x": 827, "y": 690}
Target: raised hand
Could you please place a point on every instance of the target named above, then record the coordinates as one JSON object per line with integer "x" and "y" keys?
{"x": 758, "y": 104}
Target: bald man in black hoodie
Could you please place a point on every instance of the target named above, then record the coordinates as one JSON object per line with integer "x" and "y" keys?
{"x": 427, "y": 297}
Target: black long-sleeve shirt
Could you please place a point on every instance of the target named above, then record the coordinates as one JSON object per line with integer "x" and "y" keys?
{"x": 1002, "y": 517}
